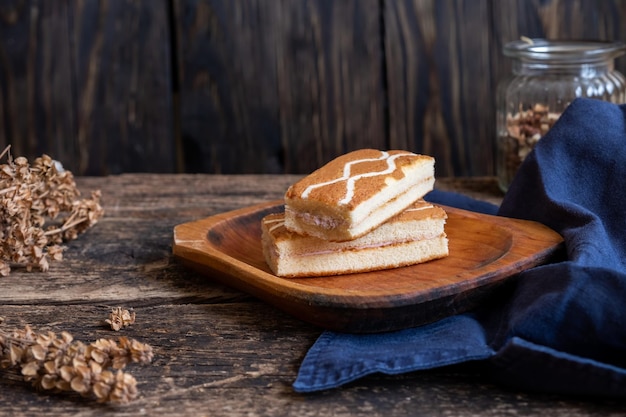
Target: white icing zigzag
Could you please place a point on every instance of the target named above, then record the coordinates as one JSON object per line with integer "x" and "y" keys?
{"x": 426, "y": 207}
{"x": 350, "y": 180}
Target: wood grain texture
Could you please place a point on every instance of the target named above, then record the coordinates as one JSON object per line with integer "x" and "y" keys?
{"x": 88, "y": 83}
{"x": 36, "y": 88}
{"x": 278, "y": 86}
{"x": 239, "y": 359}
{"x": 255, "y": 86}
{"x": 122, "y": 71}
{"x": 137, "y": 266}
{"x": 440, "y": 84}
{"x": 557, "y": 19}
{"x": 218, "y": 352}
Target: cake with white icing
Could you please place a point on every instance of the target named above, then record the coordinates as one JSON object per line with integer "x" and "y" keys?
{"x": 357, "y": 192}
{"x": 414, "y": 236}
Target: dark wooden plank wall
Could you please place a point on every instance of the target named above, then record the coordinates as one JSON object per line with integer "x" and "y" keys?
{"x": 88, "y": 82}
{"x": 275, "y": 86}
{"x": 266, "y": 86}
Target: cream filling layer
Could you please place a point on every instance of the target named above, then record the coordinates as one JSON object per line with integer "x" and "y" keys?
{"x": 362, "y": 219}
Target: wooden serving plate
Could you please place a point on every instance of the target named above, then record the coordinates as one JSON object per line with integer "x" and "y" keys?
{"x": 484, "y": 252}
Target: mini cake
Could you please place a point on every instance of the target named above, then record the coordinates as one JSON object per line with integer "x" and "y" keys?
{"x": 416, "y": 235}
{"x": 356, "y": 192}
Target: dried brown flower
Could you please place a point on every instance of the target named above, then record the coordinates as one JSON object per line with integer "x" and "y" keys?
{"x": 60, "y": 363}
{"x": 120, "y": 318}
{"x": 33, "y": 202}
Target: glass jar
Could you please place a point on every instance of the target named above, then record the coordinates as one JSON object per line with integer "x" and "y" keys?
{"x": 546, "y": 77}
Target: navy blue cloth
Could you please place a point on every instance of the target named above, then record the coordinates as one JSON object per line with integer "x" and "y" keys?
{"x": 557, "y": 328}
{"x": 453, "y": 199}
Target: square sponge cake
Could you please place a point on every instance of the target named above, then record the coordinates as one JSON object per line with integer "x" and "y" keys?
{"x": 356, "y": 192}
{"x": 414, "y": 236}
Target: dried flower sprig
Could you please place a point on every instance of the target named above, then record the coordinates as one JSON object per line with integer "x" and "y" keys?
{"x": 120, "y": 318}
{"x": 32, "y": 200}
{"x": 60, "y": 363}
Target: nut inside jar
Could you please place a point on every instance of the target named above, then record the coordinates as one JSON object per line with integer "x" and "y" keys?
{"x": 523, "y": 130}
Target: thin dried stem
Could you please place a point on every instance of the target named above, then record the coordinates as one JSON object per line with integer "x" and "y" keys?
{"x": 5, "y": 151}
{"x": 66, "y": 226}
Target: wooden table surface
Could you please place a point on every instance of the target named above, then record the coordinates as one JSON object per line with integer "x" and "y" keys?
{"x": 217, "y": 351}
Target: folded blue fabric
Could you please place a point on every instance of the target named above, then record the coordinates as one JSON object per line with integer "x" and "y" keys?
{"x": 557, "y": 328}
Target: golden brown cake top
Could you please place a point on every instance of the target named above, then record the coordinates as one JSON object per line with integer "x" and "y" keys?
{"x": 356, "y": 176}
{"x": 421, "y": 210}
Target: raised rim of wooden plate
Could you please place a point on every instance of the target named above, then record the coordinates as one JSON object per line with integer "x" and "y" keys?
{"x": 484, "y": 252}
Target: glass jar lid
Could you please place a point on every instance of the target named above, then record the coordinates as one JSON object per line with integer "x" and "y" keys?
{"x": 565, "y": 51}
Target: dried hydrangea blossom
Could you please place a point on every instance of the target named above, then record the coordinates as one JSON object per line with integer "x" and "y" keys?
{"x": 39, "y": 210}
{"x": 120, "y": 318}
{"x": 60, "y": 363}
